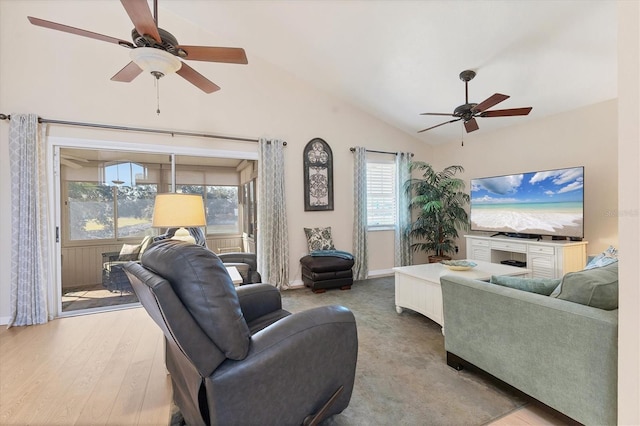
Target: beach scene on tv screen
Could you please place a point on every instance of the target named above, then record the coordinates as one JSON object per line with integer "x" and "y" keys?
{"x": 541, "y": 203}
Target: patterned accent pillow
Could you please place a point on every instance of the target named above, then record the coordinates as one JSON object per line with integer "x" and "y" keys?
{"x": 319, "y": 239}
{"x": 129, "y": 252}
{"x": 605, "y": 258}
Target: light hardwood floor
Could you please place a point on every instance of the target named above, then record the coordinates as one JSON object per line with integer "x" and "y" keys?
{"x": 106, "y": 369}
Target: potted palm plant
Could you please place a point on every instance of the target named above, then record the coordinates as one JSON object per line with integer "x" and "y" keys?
{"x": 440, "y": 202}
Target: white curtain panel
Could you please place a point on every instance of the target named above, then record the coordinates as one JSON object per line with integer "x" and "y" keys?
{"x": 403, "y": 255}
{"x": 29, "y": 222}
{"x": 273, "y": 238}
{"x": 360, "y": 267}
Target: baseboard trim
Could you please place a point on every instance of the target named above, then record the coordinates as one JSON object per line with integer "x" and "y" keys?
{"x": 380, "y": 273}
{"x": 295, "y": 284}
{"x": 4, "y": 320}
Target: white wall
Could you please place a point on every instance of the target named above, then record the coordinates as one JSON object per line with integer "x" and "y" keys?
{"x": 583, "y": 137}
{"x": 60, "y": 76}
{"x": 629, "y": 212}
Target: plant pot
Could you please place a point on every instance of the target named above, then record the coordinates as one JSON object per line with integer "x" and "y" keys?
{"x": 437, "y": 259}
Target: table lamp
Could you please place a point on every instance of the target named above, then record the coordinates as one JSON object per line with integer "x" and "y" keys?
{"x": 172, "y": 210}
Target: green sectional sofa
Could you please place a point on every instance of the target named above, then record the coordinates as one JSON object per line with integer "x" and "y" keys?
{"x": 561, "y": 353}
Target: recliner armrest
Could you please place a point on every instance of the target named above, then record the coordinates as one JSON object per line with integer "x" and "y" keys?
{"x": 307, "y": 356}
{"x": 257, "y": 300}
{"x": 294, "y": 325}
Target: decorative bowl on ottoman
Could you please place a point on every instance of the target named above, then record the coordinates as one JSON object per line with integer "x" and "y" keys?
{"x": 459, "y": 265}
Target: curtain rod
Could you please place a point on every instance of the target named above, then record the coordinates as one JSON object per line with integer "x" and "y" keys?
{"x": 352, "y": 149}
{"x": 138, "y": 129}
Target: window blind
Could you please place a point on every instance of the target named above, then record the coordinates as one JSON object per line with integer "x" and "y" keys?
{"x": 381, "y": 197}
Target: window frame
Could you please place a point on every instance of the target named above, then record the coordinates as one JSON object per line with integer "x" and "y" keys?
{"x": 59, "y": 187}
{"x": 387, "y": 186}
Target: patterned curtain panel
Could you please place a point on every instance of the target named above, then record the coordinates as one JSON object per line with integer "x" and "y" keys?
{"x": 402, "y": 255}
{"x": 273, "y": 238}
{"x": 360, "y": 267}
{"x": 29, "y": 222}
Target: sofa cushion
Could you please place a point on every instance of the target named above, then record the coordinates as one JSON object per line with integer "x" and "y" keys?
{"x": 319, "y": 239}
{"x": 542, "y": 286}
{"x": 326, "y": 263}
{"x": 204, "y": 286}
{"x": 597, "y": 287}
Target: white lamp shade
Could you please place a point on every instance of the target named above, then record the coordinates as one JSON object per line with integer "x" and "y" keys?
{"x": 173, "y": 210}
{"x": 155, "y": 60}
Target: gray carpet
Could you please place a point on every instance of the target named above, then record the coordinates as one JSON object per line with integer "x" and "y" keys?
{"x": 402, "y": 377}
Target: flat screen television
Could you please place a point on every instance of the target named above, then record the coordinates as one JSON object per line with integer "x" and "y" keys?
{"x": 549, "y": 202}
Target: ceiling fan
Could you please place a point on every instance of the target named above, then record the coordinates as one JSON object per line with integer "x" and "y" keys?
{"x": 469, "y": 111}
{"x": 156, "y": 50}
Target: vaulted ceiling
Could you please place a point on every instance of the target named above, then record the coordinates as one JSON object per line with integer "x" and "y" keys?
{"x": 397, "y": 59}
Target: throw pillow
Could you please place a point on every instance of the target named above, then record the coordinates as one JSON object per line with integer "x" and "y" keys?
{"x": 597, "y": 287}
{"x": 319, "y": 239}
{"x": 542, "y": 286}
{"x": 129, "y": 252}
{"x": 605, "y": 258}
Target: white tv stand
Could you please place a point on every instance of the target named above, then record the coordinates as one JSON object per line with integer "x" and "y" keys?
{"x": 545, "y": 258}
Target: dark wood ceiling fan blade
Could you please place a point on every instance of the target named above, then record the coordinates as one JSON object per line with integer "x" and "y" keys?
{"x": 140, "y": 15}
{"x": 489, "y": 102}
{"x": 77, "y": 31}
{"x": 197, "y": 79}
{"x": 229, "y": 55}
{"x": 128, "y": 73}
{"x": 507, "y": 112}
{"x": 471, "y": 125}
{"x": 438, "y": 113}
{"x": 438, "y": 125}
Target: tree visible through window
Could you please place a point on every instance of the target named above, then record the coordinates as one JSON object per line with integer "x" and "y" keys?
{"x": 97, "y": 211}
{"x": 221, "y": 206}
{"x": 118, "y": 204}
{"x": 381, "y": 196}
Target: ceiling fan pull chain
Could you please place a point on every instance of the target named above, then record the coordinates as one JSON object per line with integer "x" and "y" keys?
{"x": 158, "y": 96}
{"x": 155, "y": 11}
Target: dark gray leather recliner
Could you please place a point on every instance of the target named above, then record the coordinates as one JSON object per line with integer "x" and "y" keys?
{"x": 239, "y": 358}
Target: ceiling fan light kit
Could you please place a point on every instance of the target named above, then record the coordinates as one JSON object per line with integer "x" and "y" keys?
{"x": 156, "y": 50}
{"x": 155, "y": 61}
{"x": 469, "y": 110}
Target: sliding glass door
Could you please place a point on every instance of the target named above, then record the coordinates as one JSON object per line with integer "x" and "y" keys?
{"x": 106, "y": 202}
{"x": 106, "y": 207}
